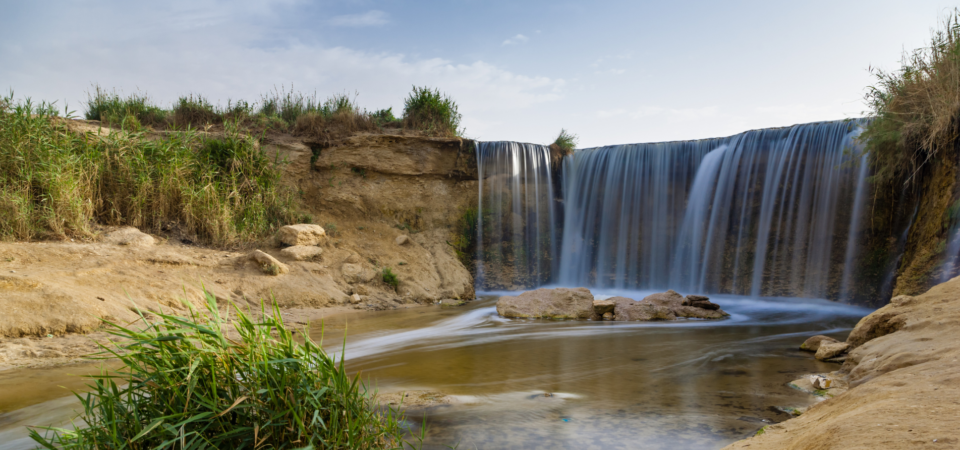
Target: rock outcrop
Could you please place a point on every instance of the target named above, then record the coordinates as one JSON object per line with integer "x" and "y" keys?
{"x": 301, "y": 234}
{"x": 559, "y": 303}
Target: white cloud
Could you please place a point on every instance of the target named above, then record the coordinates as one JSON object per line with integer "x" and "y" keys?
{"x": 518, "y": 39}
{"x": 372, "y": 18}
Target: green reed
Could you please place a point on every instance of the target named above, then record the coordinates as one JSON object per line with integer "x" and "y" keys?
{"x": 204, "y": 381}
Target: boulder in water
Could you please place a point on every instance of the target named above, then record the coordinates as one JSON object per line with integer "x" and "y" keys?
{"x": 667, "y": 306}
{"x": 830, "y": 350}
{"x": 558, "y": 303}
{"x": 813, "y": 344}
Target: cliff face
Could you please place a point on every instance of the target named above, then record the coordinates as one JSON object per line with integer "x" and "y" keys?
{"x": 386, "y": 201}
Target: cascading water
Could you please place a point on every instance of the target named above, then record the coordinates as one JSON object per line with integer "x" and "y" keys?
{"x": 516, "y": 221}
{"x": 765, "y": 212}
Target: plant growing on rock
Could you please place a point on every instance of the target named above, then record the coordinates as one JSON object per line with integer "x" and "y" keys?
{"x": 187, "y": 382}
{"x": 565, "y": 142}
{"x": 390, "y": 278}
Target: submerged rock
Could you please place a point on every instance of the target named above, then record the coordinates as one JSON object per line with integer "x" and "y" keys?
{"x": 667, "y": 306}
{"x": 301, "y": 234}
{"x": 558, "y": 303}
{"x": 813, "y": 344}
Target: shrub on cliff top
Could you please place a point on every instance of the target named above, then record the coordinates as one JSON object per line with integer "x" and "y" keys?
{"x": 917, "y": 109}
{"x": 566, "y": 142}
{"x": 431, "y": 112}
{"x": 187, "y": 382}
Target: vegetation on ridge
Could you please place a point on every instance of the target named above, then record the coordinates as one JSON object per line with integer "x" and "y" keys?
{"x": 432, "y": 112}
{"x": 917, "y": 109}
{"x": 57, "y": 183}
{"x": 185, "y": 382}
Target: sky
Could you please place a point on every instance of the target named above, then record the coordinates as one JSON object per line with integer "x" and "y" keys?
{"x": 611, "y": 72}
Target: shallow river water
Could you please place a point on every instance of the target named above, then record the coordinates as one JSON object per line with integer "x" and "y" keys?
{"x": 689, "y": 384}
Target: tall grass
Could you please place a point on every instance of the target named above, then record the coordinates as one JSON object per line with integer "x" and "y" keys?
{"x": 430, "y": 111}
{"x": 187, "y": 383}
{"x": 56, "y": 183}
{"x": 917, "y": 108}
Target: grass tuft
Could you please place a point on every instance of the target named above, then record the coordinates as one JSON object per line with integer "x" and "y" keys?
{"x": 431, "y": 112}
{"x": 203, "y": 381}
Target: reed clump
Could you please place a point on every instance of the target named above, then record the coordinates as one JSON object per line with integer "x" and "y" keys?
{"x": 203, "y": 381}
{"x": 917, "y": 109}
{"x": 56, "y": 183}
{"x": 431, "y": 112}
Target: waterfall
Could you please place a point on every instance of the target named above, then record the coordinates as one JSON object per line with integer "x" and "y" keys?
{"x": 516, "y": 220}
{"x": 765, "y": 212}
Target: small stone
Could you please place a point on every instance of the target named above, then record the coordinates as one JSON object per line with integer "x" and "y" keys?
{"x": 820, "y": 382}
{"x": 355, "y": 298}
{"x": 699, "y": 301}
{"x": 829, "y": 350}
{"x": 302, "y": 252}
{"x": 813, "y": 344}
{"x": 301, "y": 234}
{"x": 268, "y": 264}
{"x": 608, "y": 316}
{"x": 402, "y": 239}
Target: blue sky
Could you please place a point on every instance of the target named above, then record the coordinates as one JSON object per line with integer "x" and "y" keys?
{"x": 611, "y": 72}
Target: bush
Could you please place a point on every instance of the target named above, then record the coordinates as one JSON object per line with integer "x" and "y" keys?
{"x": 56, "y": 183}
{"x": 186, "y": 383}
{"x": 390, "y": 278}
{"x": 111, "y": 109}
{"x": 195, "y": 112}
{"x": 917, "y": 109}
{"x": 566, "y": 142}
{"x": 432, "y": 112}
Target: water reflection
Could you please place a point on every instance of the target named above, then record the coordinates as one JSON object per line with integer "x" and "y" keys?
{"x": 691, "y": 384}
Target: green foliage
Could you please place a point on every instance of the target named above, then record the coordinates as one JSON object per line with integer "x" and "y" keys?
{"x": 195, "y": 111}
{"x": 917, "y": 109}
{"x": 112, "y": 109}
{"x": 432, "y": 112}
{"x": 187, "y": 382}
{"x": 56, "y": 183}
{"x": 390, "y": 278}
{"x": 385, "y": 118}
{"x": 331, "y": 229}
{"x": 465, "y": 236}
{"x": 566, "y": 142}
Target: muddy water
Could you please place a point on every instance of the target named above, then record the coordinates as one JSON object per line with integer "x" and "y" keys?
{"x": 692, "y": 384}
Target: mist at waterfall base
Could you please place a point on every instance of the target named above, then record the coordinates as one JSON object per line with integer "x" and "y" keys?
{"x": 773, "y": 212}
